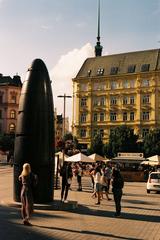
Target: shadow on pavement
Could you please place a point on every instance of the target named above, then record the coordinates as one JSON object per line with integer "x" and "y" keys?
{"x": 12, "y": 229}
{"x": 98, "y": 212}
{"x": 92, "y": 233}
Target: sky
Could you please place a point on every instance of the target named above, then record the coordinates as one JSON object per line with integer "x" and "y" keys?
{"x": 63, "y": 34}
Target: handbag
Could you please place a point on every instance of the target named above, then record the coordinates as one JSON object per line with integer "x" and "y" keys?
{"x": 69, "y": 180}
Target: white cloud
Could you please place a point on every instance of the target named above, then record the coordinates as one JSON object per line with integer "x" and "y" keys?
{"x": 63, "y": 72}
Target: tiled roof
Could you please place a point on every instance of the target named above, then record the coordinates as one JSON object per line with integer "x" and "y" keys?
{"x": 122, "y": 62}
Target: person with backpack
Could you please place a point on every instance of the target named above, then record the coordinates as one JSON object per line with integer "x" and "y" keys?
{"x": 117, "y": 186}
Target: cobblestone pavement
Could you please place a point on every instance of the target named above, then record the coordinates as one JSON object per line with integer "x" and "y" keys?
{"x": 140, "y": 215}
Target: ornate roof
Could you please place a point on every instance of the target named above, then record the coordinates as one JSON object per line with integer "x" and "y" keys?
{"x": 7, "y": 80}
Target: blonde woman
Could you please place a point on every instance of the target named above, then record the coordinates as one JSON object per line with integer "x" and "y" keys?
{"x": 27, "y": 178}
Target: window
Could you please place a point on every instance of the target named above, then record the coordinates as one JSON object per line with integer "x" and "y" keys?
{"x": 100, "y": 71}
{"x": 95, "y": 101}
{"x": 89, "y": 73}
{"x": 126, "y": 84}
{"x": 113, "y": 100}
{"x": 113, "y": 84}
{"x": 13, "y": 99}
{"x": 114, "y": 70}
{"x": 102, "y": 101}
{"x": 83, "y": 102}
{"x": 131, "y": 68}
{"x": 145, "y": 115}
{"x": 96, "y": 86}
{"x": 131, "y": 116}
{"x": 125, "y": 100}
{"x": 101, "y": 133}
{"x": 12, "y": 127}
{"x": 113, "y": 116}
{"x": 95, "y": 117}
{"x": 132, "y": 83}
{"x": 146, "y": 99}
{"x": 131, "y": 99}
{"x": 102, "y": 117}
{"x": 145, "y": 83}
{"x": 145, "y": 131}
{"x": 84, "y": 87}
{"x": 125, "y": 116}
{"x": 94, "y": 132}
{"x": 83, "y": 132}
{"x": 145, "y": 67}
{"x": 83, "y": 117}
{"x": 13, "y": 114}
{"x": 0, "y": 114}
{"x": 99, "y": 86}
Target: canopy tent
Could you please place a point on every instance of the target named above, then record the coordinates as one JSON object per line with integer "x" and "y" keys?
{"x": 79, "y": 157}
{"x": 96, "y": 157}
{"x": 152, "y": 161}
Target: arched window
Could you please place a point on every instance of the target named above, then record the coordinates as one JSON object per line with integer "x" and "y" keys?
{"x": 12, "y": 127}
{"x": 13, "y": 114}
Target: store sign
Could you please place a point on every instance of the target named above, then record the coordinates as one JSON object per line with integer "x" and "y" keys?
{"x": 130, "y": 155}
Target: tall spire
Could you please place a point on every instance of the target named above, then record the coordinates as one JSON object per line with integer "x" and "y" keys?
{"x": 98, "y": 47}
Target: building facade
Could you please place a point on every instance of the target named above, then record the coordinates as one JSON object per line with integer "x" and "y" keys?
{"x": 10, "y": 89}
{"x": 114, "y": 90}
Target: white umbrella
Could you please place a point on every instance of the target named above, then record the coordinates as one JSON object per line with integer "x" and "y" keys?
{"x": 79, "y": 157}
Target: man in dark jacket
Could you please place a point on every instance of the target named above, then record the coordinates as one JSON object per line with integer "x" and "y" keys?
{"x": 66, "y": 174}
{"x": 117, "y": 186}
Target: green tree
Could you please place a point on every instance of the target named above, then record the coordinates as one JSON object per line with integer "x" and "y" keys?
{"x": 97, "y": 146}
{"x": 121, "y": 139}
{"x": 151, "y": 143}
{"x": 7, "y": 143}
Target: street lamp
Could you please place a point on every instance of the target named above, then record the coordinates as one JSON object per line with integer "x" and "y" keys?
{"x": 64, "y": 109}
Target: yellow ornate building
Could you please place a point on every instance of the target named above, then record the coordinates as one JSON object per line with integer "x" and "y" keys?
{"x": 10, "y": 89}
{"x": 113, "y": 90}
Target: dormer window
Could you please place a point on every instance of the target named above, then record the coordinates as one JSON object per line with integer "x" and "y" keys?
{"x": 89, "y": 73}
{"x": 145, "y": 67}
{"x": 131, "y": 68}
{"x": 100, "y": 71}
{"x": 114, "y": 70}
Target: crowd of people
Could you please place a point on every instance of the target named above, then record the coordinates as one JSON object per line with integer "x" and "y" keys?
{"x": 102, "y": 177}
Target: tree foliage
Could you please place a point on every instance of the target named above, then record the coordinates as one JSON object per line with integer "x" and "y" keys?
{"x": 151, "y": 143}
{"x": 122, "y": 139}
{"x": 7, "y": 143}
{"x": 97, "y": 146}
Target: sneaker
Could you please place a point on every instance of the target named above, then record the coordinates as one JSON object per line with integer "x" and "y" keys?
{"x": 65, "y": 201}
{"x": 109, "y": 199}
{"x": 97, "y": 203}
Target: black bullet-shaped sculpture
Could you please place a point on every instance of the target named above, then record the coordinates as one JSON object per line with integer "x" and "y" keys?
{"x": 34, "y": 141}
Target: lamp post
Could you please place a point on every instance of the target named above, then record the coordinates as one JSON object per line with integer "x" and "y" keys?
{"x": 64, "y": 114}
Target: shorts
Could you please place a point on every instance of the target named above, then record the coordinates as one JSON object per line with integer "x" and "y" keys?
{"x": 98, "y": 187}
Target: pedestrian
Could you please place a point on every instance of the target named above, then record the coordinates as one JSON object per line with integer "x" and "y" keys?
{"x": 79, "y": 177}
{"x": 28, "y": 179}
{"x": 91, "y": 174}
{"x": 117, "y": 185}
{"x": 104, "y": 183}
{"x": 108, "y": 174}
{"x": 66, "y": 174}
{"x": 97, "y": 181}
